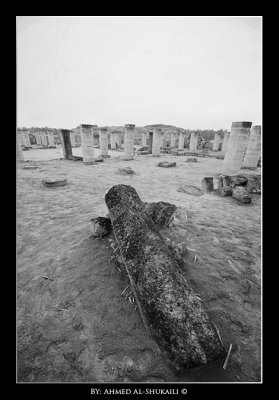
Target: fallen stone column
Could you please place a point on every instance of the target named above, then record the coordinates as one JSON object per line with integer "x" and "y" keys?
{"x": 169, "y": 306}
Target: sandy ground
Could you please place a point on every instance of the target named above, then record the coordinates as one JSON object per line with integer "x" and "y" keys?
{"x": 76, "y": 327}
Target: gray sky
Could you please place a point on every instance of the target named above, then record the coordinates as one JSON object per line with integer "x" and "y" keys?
{"x": 195, "y": 73}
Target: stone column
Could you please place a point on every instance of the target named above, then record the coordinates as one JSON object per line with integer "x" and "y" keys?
{"x": 225, "y": 142}
{"x": 103, "y": 138}
{"x": 236, "y": 147}
{"x": 73, "y": 138}
{"x": 118, "y": 139}
{"x": 181, "y": 141}
{"x": 50, "y": 139}
{"x": 113, "y": 141}
{"x": 162, "y": 139}
{"x": 26, "y": 139}
{"x": 194, "y": 141}
{"x": 19, "y": 152}
{"x": 216, "y": 142}
{"x": 66, "y": 143}
{"x": 87, "y": 143}
{"x": 43, "y": 138}
{"x": 156, "y": 142}
{"x": 129, "y": 141}
{"x": 144, "y": 139}
{"x": 173, "y": 137}
{"x": 253, "y": 150}
{"x": 38, "y": 138}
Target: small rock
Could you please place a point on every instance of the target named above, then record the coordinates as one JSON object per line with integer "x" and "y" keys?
{"x": 190, "y": 189}
{"x": 240, "y": 193}
{"x": 191, "y": 159}
{"x": 54, "y": 182}
{"x": 100, "y": 226}
{"x": 166, "y": 164}
{"x": 207, "y": 185}
{"x": 126, "y": 171}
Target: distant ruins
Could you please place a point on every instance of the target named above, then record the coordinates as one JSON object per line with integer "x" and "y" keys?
{"x": 240, "y": 148}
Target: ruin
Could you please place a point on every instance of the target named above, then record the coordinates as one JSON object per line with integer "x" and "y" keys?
{"x": 216, "y": 142}
{"x": 173, "y": 139}
{"x": 87, "y": 143}
{"x": 66, "y": 143}
{"x": 194, "y": 141}
{"x": 50, "y": 137}
{"x": 103, "y": 140}
{"x": 181, "y": 141}
{"x": 26, "y": 139}
{"x": 129, "y": 141}
{"x": 156, "y": 142}
{"x": 253, "y": 150}
{"x": 113, "y": 140}
{"x": 236, "y": 147}
{"x": 225, "y": 142}
{"x": 144, "y": 139}
{"x": 169, "y": 307}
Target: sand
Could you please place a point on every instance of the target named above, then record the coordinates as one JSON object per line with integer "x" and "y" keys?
{"x": 76, "y": 327}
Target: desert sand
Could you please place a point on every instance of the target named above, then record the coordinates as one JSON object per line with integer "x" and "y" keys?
{"x": 73, "y": 323}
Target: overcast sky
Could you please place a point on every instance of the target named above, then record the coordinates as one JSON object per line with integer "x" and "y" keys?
{"x": 194, "y": 73}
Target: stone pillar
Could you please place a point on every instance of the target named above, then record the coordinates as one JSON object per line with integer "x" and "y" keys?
{"x": 113, "y": 141}
{"x": 173, "y": 137}
{"x": 181, "y": 141}
{"x": 103, "y": 138}
{"x": 225, "y": 142}
{"x": 194, "y": 141}
{"x": 150, "y": 142}
{"x": 253, "y": 150}
{"x": 118, "y": 139}
{"x": 87, "y": 143}
{"x": 73, "y": 138}
{"x": 43, "y": 138}
{"x": 144, "y": 139}
{"x": 129, "y": 141}
{"x": 207, "y": 185}
{"x": 236, "y": 147}
{"x": 156, "y": 142}
{"x": 19, "y": 152}
{"x": 66, "y": 143}
{"x": 26, "y": 139}
{"x": 50, "y": 139}
{"x": 162, "y": 139}
{"x": 38, "y": 138}
{"x": 216, "y": 142}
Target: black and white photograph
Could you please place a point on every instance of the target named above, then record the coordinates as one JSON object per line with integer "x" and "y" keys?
{"x": 138, "y": 201}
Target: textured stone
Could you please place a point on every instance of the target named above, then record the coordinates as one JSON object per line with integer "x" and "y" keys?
{"x": 240, "y": 193}
{"x": 207, "y": 185}
{"x": 190, "y": 189}
{"x": 100, "y": 226}
{"x": 166, "y": 164}
{"x": 173, "y": 312}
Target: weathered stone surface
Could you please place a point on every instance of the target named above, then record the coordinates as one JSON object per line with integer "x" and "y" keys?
{"x": 29, "y": 167}
{"x": 166, "y": 164}
{"x": 190, "y": 189}
{"x": 238, "y": 180}
{"x": 100, "y": 226}
{"x": 207, "y": 185}
{"x": 174, "y": 313}
{"x": 254, "y": 184}
{"x": 224, "y": 186}
{"x": 240, "y": 193}
{"x": 190, "y": 159}
{"x": 161, "y": 213}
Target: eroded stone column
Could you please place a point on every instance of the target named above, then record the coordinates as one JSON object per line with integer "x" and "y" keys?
{"x": 156, "y": 143}
{"x": 194, "y": 141}
{"x": 73, "y": 139}
{"x": 173, "y": 139}
{"x": 225, "y": 142}
{"x": 50, "y": 139}
{"x": 129, "y": 130}
{"x": 43, "y": 138}
{"x": 150, "y": 142}
{"x": 26, "y": 139}
{"x": 113, "y": 141}
{"x": 66, "y": 143}
{"x": 38, "y": 138}
{"x": 253, "y": 150}
{"x": 87, "y": 143}
{"x": 19, "y": 152}
{"x": 216, "y": 142}
{"x": 181, "y": 141}
{"x": 162, "y": 139}
{"x": 236, "y": 147}
{"x": 103, "y": 137}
